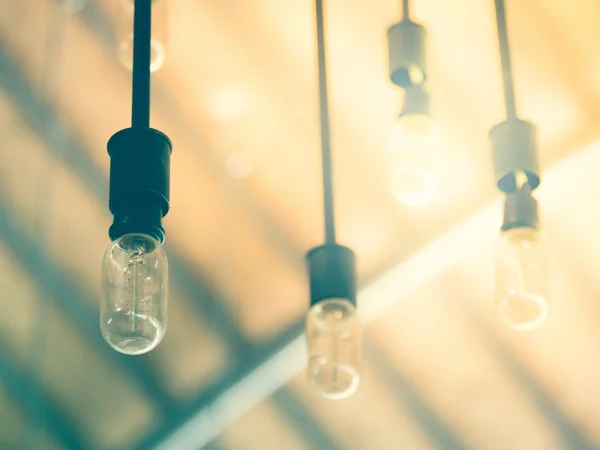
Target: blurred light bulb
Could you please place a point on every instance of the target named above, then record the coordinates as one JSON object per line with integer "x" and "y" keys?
{"x": 414, "y": 147}
{"x": 158, "y": 39}
{"x": 133, "y": 312}
{"x": 334, "y": 340}
{"x": 521, "y": 296}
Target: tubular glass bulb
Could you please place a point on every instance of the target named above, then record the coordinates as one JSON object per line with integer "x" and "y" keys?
{"x": 158, "y": 39}
{"x": 414, "y": 146}
{"x": 521, "y": 285}
{"x": 334, "y": 340}
{"x": 133, "y": 312}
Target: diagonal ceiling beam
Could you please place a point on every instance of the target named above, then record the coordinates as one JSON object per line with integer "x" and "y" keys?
{"x": 213, "y": 413}
{"x": 21, "y": 387}
{"x": 76, "y": 305}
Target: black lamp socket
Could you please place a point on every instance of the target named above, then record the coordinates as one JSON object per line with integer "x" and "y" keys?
{"x": 332, "y": 273}
{"x": 139, "y": 182}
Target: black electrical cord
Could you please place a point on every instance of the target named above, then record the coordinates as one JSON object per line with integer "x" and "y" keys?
{"x": 142, "y": 30}
{"x": 325, "y": 130}
{"x": 507, "y": 79}
{"x": 405, "y": 9}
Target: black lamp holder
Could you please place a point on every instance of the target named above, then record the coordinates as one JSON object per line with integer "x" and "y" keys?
{"x": 140, "y": 155}
{"x": 332, "y": 273}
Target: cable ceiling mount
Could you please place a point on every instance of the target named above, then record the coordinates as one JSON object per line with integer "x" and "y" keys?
{"x": 134, "y": 270}
{"x": 521, "y": 296}
{"x": 333, "y": 329}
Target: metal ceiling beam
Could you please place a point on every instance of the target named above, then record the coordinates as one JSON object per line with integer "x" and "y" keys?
{"x": 76, "y": 305}
{"x": 50, "y": 416}
{"x": 42, "y": 116}
{"x": 433, "y": 427}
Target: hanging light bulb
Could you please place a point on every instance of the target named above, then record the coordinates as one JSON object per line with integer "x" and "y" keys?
{"x": 414, "y": 151}
{"x": 521, "y": 296}
{"x": 133, "y": 311}
{"x": 125, "y": 33}
{"x": 333, "y": 328}
{"x": 334, "y": 339}
{"x": 413, "y": 141}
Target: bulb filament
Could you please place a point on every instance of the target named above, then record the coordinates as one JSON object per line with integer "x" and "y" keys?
{"x": 135, "y": 259}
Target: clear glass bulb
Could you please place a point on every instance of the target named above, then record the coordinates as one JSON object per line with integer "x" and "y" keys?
{"x": 521, "y": 279}
{"x": 334, "y": 340}
{"x": 414, "y": 151}
{"x": 158, "y": 39}
{"x": 133, "y": 312}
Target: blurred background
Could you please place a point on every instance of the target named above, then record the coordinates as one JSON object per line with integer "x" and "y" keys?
{"x": 237, "y": 96}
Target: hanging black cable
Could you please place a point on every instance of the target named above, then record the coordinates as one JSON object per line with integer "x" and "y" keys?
{"x": 507, "y": 78}
{"x": 142, "y": 32}
{"x": 405, "y": 9}
{"x": 331, "y": 266}
{"x": 325, "y": 128}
